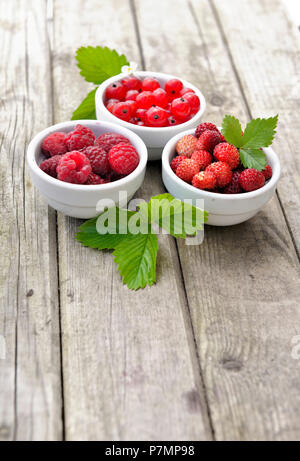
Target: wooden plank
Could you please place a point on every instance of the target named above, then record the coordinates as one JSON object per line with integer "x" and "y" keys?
{"x": 130, "y": 367}
{"x": 267, "y": 63}
{"x": 30, "y": 376}
{"x": 241, "y": 280}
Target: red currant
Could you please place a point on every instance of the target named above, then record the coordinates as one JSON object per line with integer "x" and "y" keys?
{"x": 131, "y": 95}
{"x": 115, "y": 91}
{"x": 180, "y": 108}
{"x": 172, "y": 121}
{"x": 161, "y": 98}
{"x": 133, "y": 107}
{"x": 185, "y": 91}
{"x": 110, "y": 104}
{"x": 150, "y": 84}
{"x": 141, "y": 115}
{"x": 193, "y": 101}
{"x": 123, "y": 111}
{"x": 145, "y": 100}
{"x": 156, "y": 116}
{"x": 132, "y": 83}
{"x": 173, "y": 87}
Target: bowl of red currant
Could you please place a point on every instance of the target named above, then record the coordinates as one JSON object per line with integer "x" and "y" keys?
{"x": 156, "y": 106}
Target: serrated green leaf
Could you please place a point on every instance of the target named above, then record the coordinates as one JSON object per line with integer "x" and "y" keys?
{"x": 97, "y": 64}
{"x": 232, "y": 130}
{"x": 88, "y": 234}
{"x": 259, "y": 133}
{"x": 253, "y": 158}
{"x": 136, "y": 258}
{"x": 87, "y": 109}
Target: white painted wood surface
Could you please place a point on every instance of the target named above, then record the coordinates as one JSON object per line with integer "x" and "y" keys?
{"x": 204, "y": 354}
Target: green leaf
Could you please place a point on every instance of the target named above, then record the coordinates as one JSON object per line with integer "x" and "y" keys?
{"x": 260, "y": 133}
{"x": 136, "y": 258}
{"x": 253, "y": 158}
{"x": 232, "y": 130}
{"x": 87, "y": 109}
{"x": 178, "y": 218}
{"x": 89, "y": 235}
{"x": 97, "y": 64}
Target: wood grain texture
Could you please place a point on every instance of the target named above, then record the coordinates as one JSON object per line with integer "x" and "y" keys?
{"x": 267, "y": 61}
{"x": 30, "y": 397}
{"x": 130, "y": 367}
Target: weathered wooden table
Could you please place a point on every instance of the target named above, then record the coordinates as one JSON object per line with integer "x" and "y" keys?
{"x": 210, "y": 352}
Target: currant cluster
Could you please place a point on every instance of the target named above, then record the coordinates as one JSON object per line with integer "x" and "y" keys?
{"x": 146, "y": 103}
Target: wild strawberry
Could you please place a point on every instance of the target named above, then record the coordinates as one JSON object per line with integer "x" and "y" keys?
{"x": 267, "y": 172}
{"x": 186, "y": 145}
{"x": 203, "y": 158}
{"x": 208, "y": 140}
{"x": 205, "y": 180}
{"x": 234, "y": 186}
{"x": 176, "y": 161}
{"x": 251, "y": 179}
{"x": 222, "y": 172}
{"x": 227, "y": 153}
{"x": 187, "y": 169}
{"x": 205, "y": 126}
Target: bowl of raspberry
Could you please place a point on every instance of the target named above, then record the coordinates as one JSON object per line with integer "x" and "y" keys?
{"x": 156, "y": 106}
{"x": 75, "y": 165}
{"x": 201, "y": 165}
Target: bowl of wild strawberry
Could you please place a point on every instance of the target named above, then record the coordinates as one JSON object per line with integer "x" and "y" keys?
{"x": 202, "y": 165}
{"x": 155, "y": 106}
{"x": 74, "y": 165}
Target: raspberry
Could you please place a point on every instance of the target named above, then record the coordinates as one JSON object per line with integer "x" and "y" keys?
{"x": 131, "y": 95}
{"x": 98, "y": 158}
{"x": 267, "y": 172}
{"x": 185, "y": 91}
{"x": 227, "y": 153}
{"x": 49, "y": 166}
{"x": 186, "y": 145}
{"x": 132, "y": 83}
{"x": 145, "y": 100}
{"x": 180, "y": 108}
{"x": 234, "y": 186}
{"x": 161, "y": 97}
{"x": 176, "y": 161}
{"x": 173, "y": 87}
{"x": 94, "y": 179}
{"x": 208, "y": 140}
{"x": 122, "y": 110}
{"x": 203, "y": 158}
{"x": 203, "y": 127}
{"x": 123, "y": 158}
{"x": 187, "y": 169}
{"x": 251, "y": 179}
{"x": 150, "y": 84}
{"x": 156, "y": 116}
{"x": 55, "y": 144}
{"x": 80, "y": 138}
{"x": 204, "y": 180}
{"x": 116, "y": 91}
{"x": 109, "y": 140}
{"x": 222, "y": 172}
{"x": 74, "y": 167}
{"x": 193, "y": 101}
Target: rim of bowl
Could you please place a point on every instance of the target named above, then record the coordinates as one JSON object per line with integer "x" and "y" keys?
{"x": 100, "y": 96}
{"x": 244, "y": 196}
{"x": 36, "y": 142}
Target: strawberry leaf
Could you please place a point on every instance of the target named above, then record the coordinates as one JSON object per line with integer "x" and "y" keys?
{"x": 253, "y": 158}
{"x": 232, "y": 130}
{"x": 97, "y": 64}
{"x": 260, "y": 133}
{"x": 87, "y": 109}
{"x": 136, "y": 258}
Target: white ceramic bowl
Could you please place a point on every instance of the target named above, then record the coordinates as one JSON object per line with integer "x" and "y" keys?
{"x": 223, "y": 209}
{"x": 80, "y": 201}
{"x": 154, "y": 138}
